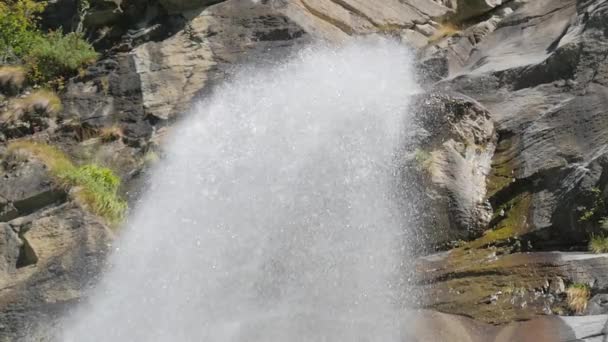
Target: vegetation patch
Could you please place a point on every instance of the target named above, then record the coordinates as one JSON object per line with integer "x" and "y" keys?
{"x": 503, "y": 166}
{"x": 512, "y": 221}
{"x": 56, "y": 55}
{"x": 40, "y": 101}
{"x": 596, "y": 209}
{"x": 598, "y": 244}
{"x": 48, "y": 57}
{"x": 12, "y": 77}
{"x": 96, "y": 187}
{"x": 578, "y": 296}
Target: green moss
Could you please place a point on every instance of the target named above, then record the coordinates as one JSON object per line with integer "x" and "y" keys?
{"x": 513, "y": 223}
{"x": 500, "y": 177}
{"x": 96, "y": 187}
{"x": 503, "y": 166}
{"x": 516, "y": 214}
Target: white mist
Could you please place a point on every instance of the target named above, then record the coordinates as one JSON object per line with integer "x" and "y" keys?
{"x": 274, "y": 216}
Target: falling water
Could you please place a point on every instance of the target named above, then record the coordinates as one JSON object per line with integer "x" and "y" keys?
{"x": 275, "y": 215}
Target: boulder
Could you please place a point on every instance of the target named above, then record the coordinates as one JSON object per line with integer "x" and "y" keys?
{"x": 451, "y": 162}
{"x": 26, "y": 186}
{"x": 47, "y": 262}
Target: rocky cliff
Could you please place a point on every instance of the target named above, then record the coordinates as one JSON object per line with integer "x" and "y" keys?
{"x": 510, "y": 158}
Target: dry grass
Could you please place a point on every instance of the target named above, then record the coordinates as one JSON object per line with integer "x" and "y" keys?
{"x": 112, "y": 133}
{"x": 444, "y": 30}
{"x": 598, "y": 244}
{"x": 40, "y": 101}
{"x": 12, "y": 77}
{"x": 578, "y": 297}
{"x": 53, "y": 158}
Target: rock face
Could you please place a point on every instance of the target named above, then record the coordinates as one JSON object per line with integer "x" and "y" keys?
{"x": 538, "y": 68}
{"x": 188, "y": 62}
{"x": 548, "y": 100}
{"x": 511, "y": 148}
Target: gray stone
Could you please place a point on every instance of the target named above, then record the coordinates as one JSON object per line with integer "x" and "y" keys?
{"x": 597, "y": 305}
{"x": 27, "y": 186}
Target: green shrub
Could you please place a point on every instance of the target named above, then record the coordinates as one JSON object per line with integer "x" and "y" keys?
{"x": 96, "y": 187}
{"x": 56, "y": 55}
{"x": 597, "y": 207}
{"x": 18, "y": 27}
{"x": 50, "y": 57}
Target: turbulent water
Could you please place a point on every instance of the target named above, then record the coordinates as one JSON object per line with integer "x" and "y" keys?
{"x": 275, "y": 216}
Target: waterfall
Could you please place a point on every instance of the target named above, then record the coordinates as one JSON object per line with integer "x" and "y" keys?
{"x": 276, "y": 213}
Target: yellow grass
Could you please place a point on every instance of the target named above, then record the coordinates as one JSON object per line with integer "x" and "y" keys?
{"x": 40, "y": 101}
{"x": 12, "y": 76}
{"x": 578, "y": 296}
{"x": 112, "y": 133}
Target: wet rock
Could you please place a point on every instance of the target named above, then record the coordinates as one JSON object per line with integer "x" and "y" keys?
{"x": 464, "y": 280}
{"x": 541, "y": 75}
{"x": 453, "y": 157}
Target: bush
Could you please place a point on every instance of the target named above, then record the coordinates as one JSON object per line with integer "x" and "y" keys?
{"x": 96, "y": 187}
{"x": 56, "y": 55}
{"x": 598, "y": 244}
{"x": 48, "y": 56}
{"x": 18, "y": 28}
